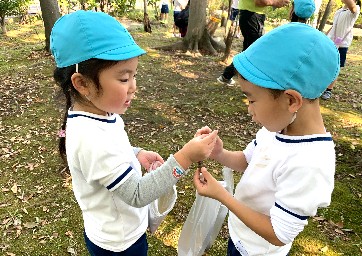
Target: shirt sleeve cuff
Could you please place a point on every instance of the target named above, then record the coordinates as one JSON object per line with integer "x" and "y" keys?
{"x": 136, "y": 150}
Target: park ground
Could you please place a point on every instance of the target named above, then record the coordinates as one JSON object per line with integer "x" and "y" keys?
{"x": 177, "y": 94}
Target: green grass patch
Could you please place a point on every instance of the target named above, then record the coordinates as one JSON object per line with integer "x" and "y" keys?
{"x": 176, "y": 95}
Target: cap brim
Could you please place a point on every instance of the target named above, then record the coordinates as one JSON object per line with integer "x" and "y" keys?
{"x": 252, "y": 74}
{"x": 121, "y": 54}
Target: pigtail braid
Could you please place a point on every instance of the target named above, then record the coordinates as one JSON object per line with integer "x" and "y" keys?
{"x": 63, "y": 78}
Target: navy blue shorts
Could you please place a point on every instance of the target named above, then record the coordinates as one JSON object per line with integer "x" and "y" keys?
{"x": 139, "y": 248}
{"x": 233, "y": 14}
{"x": 164, "y": 8}
{"x": 231, "y": 249}
{"x": 175, "y": 14}
{"x": 342, "y": 56}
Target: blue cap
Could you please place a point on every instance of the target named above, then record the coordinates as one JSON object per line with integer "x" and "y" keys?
{"x": 292, "y": 56}
{"x": 304, "y": 8}
{"x": 83, "y": 35}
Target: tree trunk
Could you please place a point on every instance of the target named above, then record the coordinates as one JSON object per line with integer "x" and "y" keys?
{"x": 3, "y": 27}
{"x": 197, "y": 38}
{"x": 228, "y": 17}
{"x": 229, "y": 42}
{"x": 146, "y": 19}
{"x": 50, "y": 14}
{"x": 325, "y": 15}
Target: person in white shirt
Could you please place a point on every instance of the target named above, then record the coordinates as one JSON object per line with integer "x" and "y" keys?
{"x": 165, "y": 9}
{"x": 341, "y": 33}
{"x": 234, "y": 16}
{"x": 288, "y": 169}
{"x": 97, "y": 61}
{"x": 179, "y": 5}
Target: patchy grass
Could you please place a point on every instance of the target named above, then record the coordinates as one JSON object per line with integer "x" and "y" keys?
{"x": 176, "y": 95}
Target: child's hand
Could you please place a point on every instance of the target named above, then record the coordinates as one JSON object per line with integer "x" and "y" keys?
{"x": 200, "y": 147}
{"x": 218, "y": 148}
{"x": 203, "y": 130}
{"x": 218, "y": 144}
{"x": 154, "y": 166}
{"x": 147, "y": 158}
{"x": 207, "y": 185}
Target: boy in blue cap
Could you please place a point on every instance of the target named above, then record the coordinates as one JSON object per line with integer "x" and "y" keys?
{"x": 302, "y": 10}
{"x": 97, "y": 62}
{"x": 288, "y": 169}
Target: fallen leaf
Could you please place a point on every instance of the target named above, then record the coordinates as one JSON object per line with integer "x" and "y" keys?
{"x": 324, "y": 249}
{"x": 30, "y": 224}
{"x": 339, "y": 231}
{"x": 14, "y": 188}
{"x": 69, "y": 233}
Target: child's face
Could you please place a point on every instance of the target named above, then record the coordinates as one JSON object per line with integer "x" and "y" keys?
{"x": 118, "y": 87}
{"x": 270, "y": 112}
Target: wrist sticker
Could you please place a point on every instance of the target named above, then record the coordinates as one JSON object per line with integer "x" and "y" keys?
{"x": 177, "y": 172}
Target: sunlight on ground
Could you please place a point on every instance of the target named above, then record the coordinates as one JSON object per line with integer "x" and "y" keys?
{"x": 153, "y": 53}
{"x": 314, "y": 247}
{"x": 354, "y": 57}
{"x": 169, "y": 238}
{"x": 189, "y": 75}
{"x": 28, "y": 29}
{"x": 183, "y": 72}
{"x": 347, "y": 119}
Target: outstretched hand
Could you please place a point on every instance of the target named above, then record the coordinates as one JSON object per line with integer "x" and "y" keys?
{"x": 200, "y": 147}
{"x": 147, "y": 158}
{"x": 218, "y": 147}
{"x": 280, "y": 3}
{"x": 207, "y": 185}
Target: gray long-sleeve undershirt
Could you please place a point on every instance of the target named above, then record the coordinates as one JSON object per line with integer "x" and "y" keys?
{"x": 139, "y": 191}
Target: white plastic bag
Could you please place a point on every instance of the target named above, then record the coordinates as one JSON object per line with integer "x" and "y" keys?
{"x": 158, "y": 209}
{"x": 204, "y": 221}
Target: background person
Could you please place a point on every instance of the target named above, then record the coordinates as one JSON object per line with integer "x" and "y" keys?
{"x": 301, "y": 10}
{"x": 179, "y": 5}
{"x": 251, "y": 22}
{"x": 234, "y": 16}
{"x": 165, "y": 9}
{"x": 341, "y": 33}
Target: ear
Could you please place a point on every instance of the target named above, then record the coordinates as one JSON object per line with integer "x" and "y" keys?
{"x": 295, "y": 100}
{"x": 80, "y": 84}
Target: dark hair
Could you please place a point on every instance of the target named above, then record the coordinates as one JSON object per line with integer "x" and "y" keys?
{"x": 90, "y": 69}
{"x": 296, "y": 18}
{"x": 358, "y": 2}
{"x": 275, "y": 92}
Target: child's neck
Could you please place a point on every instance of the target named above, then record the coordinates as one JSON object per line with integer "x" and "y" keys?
{"x": 308, "y": 121}
{"x": 89, "y": 107}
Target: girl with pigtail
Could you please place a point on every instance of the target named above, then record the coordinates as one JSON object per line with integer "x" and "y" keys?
{"x": 97, "y": 60}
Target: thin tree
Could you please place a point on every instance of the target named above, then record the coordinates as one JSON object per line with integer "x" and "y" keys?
{"x": 50, "y": 14}
{"x": 197, "y": 39}
{"x": 146, "y": 19}
{"x": 325, "y": 15}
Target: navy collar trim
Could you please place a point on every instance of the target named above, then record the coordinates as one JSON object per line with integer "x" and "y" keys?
{"x": 303, "y": 140}
{"x": 94, "y": 118}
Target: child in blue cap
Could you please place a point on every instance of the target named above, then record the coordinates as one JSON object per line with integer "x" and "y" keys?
{"x": 302, "y": 10}
{"x": 97, "y": 60}
{"x": 288, "y": 169}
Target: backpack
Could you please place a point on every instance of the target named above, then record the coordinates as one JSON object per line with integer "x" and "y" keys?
{"x": 182, "y": 19}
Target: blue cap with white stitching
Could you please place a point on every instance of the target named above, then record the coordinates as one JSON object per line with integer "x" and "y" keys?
{"x": 83, "y": 35}
{"x": 292, "y": 56}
